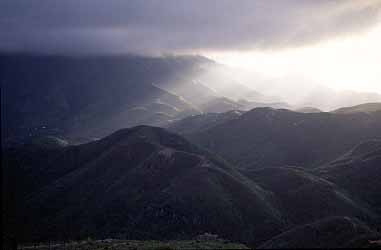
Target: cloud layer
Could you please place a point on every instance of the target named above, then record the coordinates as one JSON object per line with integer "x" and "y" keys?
{"x": 160, "y": 26}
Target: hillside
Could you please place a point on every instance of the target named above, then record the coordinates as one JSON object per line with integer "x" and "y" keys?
{"x": 306, "y": 197}
{"x": 333, "y": 232}
{"x": 140, "y": 183}
{"x": 265, "y": 137}
{"x": 149, "y": 184}
{"x": 333, "y": 206}
{"x": 82, "y": 98}
{"x": 197, "y": 123}
{"x": 359, "y": 172}
{"x": 365, "y": 108}
{"x": 86, "y": 97}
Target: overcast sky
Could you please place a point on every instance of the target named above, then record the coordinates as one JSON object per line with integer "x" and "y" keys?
{"x": 331, "y": 42}
{"x": 157, "y": 26}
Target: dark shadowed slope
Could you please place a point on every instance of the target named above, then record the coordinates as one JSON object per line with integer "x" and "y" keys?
{"x": 338, "y": 204}
{"x": 265, "y": 137}
{"x": 142, "y": 183}
{"x": 359, "y": 172}
{"x": 365, "y": 108}
{"x": 333, "y": 232}
{"x": 147, "y": 183}
{"x": 352, "y": 184}
{"x": 304, "y": 197}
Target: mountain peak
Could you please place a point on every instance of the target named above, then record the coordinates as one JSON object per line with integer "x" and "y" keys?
{"x": 149, "y": 134}
{"x": 365, "y": 108}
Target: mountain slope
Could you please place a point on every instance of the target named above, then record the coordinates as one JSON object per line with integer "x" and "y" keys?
{"x": 147, "y": 183}
{"x": 141, "y": 183}
{"x": 333, "y": 232}
{"x": 265, "y": 137}
{"x": 359, "y": 172}
{"x": 366, "y": 108}
{"x": 197, "y": 123}
{"x": 305, "y": 197}
{"x": 87, "y": 96}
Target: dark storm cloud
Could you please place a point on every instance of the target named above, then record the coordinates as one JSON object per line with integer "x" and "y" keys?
{"x": 155, "y": 26}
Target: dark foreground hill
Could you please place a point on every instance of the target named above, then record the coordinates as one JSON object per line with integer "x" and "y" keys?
{"x": 359, "y": 172}
{"x": 352, "y": 182}
{"x": 333, "y": 232}
{"x": 139, "y": 183}
{"x": 304, "y": 197}
{"x": 265, "y": 137}
{"x": 117, "y": 244}
{"x": 146, "y": 183}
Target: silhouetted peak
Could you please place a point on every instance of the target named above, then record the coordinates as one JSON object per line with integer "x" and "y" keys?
{"x": 266, "y": 112}
{"x": 149, "y": 134}
{"x": 365, "y": 108}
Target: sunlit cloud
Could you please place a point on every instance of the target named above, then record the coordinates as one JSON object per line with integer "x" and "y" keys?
{"x": 350, "y": 62}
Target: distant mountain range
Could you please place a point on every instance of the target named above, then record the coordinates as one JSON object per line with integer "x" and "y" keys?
{"x": 89, "y": 97}
{"x": 363, "y": 108}
{"x": 265, "y": 137}
{"x": 169, "y": 148}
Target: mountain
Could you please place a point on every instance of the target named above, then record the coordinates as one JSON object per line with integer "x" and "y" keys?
{"x": 140, "y": 183}
{"x": 88, "y": 96}
{"x": 333, "y": 206}
{"x": 197, "y": 123}
{"x": 305, "y": 197}
{"x": 366, "y": 108}
{"x": 265, "y": 137}
{"x": 247, "y": 105}
{"x": 82, "y": 98}
{"x": 308, "y": 110}
{"x": 333, "y": 232}
{"x": 147, "y": 183}
{"x": 359, "y": 172}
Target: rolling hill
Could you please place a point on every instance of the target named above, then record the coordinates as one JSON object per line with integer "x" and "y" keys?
{"x": 265, "y": 137}
{"x": 197, "y": 123}
{"x": 365, "y": 108}
{"x": 141, "y": 183}
{"x": 147, "y": 183}
{"x": 359, "y": 172}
